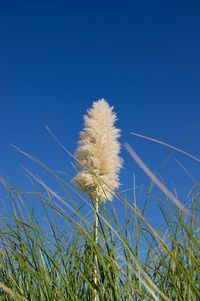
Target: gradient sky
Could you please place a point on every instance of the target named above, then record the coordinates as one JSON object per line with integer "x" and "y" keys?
{"x": 57, "y": 57}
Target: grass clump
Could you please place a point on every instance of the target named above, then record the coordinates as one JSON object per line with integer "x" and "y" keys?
{"x": 61, "y": 253}
{"x": 53, "y": 258}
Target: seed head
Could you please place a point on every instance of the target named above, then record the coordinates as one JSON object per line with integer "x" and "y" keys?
{"x": 97, "y": 153}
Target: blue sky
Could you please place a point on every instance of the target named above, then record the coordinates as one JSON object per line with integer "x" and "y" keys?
{"x": 57, "y": 57}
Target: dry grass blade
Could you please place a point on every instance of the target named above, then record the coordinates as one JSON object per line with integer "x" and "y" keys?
{"x": 167, "y": 145}
{"x": 12, "y": 294}
{"x": 153, "y": 177}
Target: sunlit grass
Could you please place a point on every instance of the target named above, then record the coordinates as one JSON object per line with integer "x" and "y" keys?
{"x": 51, "y": 256}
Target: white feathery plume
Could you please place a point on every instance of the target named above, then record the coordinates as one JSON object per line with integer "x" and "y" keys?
{"x": 98, "y": 153}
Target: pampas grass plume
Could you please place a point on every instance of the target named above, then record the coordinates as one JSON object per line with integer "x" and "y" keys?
{"x": 98, "y": 153}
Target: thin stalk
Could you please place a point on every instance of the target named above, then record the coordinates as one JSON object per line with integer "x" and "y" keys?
{"x": 96, "y": 209}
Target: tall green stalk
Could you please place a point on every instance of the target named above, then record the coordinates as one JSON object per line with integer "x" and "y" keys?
{"x": 95, "y": 273}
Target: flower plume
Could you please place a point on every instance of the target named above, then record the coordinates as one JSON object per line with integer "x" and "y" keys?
{"x": 98, "y": 152}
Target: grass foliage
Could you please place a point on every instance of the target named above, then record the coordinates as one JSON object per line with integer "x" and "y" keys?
{"x": 54, "y": 260}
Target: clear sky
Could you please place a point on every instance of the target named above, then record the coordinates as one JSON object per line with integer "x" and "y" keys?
{"x": 57, "y": 57}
